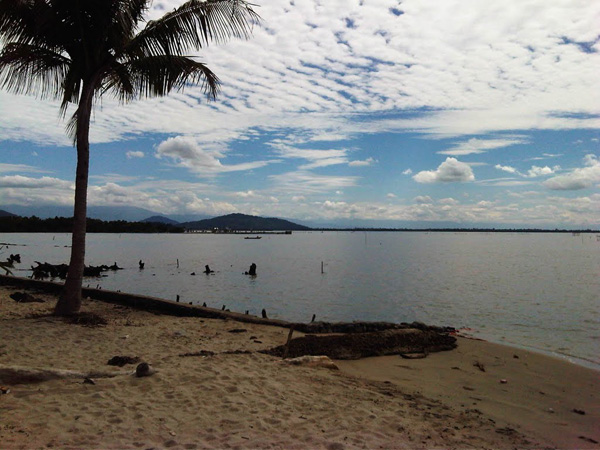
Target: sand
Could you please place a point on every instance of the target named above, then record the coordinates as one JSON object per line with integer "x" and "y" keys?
{"x": 238, "y": 398}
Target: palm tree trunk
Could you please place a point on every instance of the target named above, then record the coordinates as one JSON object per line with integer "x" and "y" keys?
{"x": 69, "y": 302}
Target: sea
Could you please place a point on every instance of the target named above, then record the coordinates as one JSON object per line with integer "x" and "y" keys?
{"x": 536, "y": 291}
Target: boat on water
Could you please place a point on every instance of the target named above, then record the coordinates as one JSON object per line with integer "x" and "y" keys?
{"x": 255, "y": 237}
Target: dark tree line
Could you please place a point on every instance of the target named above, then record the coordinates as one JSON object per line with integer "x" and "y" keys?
{"x": 17, "y": 224}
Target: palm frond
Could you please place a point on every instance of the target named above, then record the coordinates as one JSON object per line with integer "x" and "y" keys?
{"x": 71, "y": 128}
{"x": 26, "y": 69}
{"x": 193, "y": 25}
{"x": 71, "y": 88}
{"x": 119, "y": 81}
{"x": 129, "y": 13}
{"x": 155, "y": 76}
{"x": 34, "y": 22}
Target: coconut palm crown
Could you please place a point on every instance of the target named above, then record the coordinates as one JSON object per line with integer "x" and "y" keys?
{"x": 78, "y": 50}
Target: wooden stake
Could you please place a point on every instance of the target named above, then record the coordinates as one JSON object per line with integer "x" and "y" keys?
{"x": 287, "y": 344}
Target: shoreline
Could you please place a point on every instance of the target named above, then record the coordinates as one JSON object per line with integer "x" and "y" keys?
{"x": 238, "y": 397}
{"x": 173, "y": 307}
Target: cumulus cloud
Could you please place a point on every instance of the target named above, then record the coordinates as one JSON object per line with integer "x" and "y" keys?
{"x": 407, "y": 172}
{"x": 391, "y": 195}
{"x": 449, "y": 171}
{"x": 423, "y": 199}
{"x": 22, "y": 190}
{"x": 448, "y": 201}
{"x": 536, "y": 171}
{"x": 134, "y": 154}
{"x": 186, "y": 152}
{"x": 580, "y": 178}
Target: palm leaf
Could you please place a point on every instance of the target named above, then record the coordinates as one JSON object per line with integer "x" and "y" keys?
{"x": 193, "y": 25}
{"x": 154, "y": 76}
{"x": 34, "y": 22}
{"x": 26, "y": 69}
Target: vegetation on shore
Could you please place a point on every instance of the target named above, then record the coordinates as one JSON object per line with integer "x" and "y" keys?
{"x": 17, "y": 224}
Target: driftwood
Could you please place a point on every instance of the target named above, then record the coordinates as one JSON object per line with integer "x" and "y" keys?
{"x": 46, "y": 270}
{"x": 24, "y": 297}
{"x": 25, "y": 375}
{"x": 362, "y": 345}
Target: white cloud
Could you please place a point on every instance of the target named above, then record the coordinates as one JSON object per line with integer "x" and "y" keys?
{"x": 23, "y": 168}
{"x": 19, "y": 181}
{"x": 450, "y": 170}
{"x": 186, "y": 152}
{"x": 391, "y": 195}
{"x": 316, "y": 157}
{"x": 407, "y": 172}
{"x": 247, "y": 194}
{"x": 509, "y": 66}
{"x": 364, "y": 163}
{"x": 134, "y": 154}
{"x": 304, "y": 183}
{"x": 580, "y": 178}
{"x": 536, "y": 171}
{"x": 448, "y": 201}
{"x": 475, "y": 146}
{"x": 20, "y": 190}
{"x": 423, "y": 199}
{"x": 508, "y": 169}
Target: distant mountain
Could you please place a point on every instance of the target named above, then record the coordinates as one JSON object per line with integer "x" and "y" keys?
{"x": 180, "y": 218}
{"x": 127, "y": 213}
{"x": 160, "y": 219}
{"x": 6, "y": 213}
{"x": 243, "y": 222}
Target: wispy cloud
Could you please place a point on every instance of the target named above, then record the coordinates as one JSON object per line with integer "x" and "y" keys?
{"x": 476, "y": 146}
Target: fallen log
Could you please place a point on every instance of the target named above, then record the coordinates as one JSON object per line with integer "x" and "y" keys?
{"x": 25, "y": 375}
{"x": 362, "y": 345}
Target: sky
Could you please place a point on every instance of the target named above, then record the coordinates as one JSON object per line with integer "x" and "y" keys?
{"x": 467, "y": 112}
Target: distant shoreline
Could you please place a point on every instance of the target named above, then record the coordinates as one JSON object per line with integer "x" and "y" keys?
{"x": 232, "y": 224}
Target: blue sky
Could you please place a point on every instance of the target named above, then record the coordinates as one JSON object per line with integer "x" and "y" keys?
{"x": 420, "y": 111}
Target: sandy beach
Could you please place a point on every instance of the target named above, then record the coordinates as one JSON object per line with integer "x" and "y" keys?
{"x": 212, "y": 389}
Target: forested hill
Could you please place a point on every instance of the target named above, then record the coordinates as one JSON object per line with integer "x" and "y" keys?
{"x": 244, "y": 222}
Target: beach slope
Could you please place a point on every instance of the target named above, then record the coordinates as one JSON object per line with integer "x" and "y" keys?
{"x": 212, "y": 389}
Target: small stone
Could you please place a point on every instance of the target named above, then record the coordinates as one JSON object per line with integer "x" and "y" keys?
{"x": 88, "y": 381}
{"x": 144, "y": 370}
{"x": 503, "y": 381}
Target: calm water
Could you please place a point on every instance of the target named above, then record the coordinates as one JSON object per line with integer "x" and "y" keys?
{"x": 538, "y": 291}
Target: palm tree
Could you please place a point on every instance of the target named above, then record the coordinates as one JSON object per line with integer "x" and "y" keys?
{"x": 77, "y": 50}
